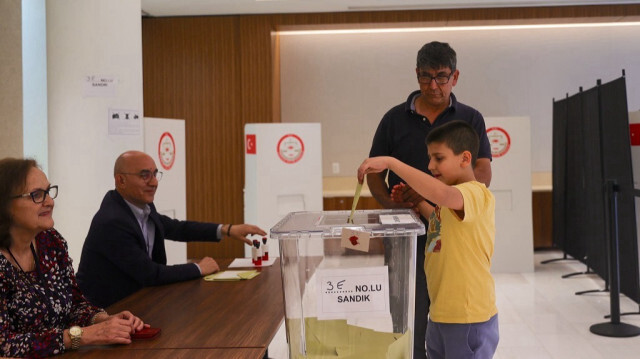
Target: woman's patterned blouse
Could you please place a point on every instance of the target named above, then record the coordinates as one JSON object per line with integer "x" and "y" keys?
{"x": 36, "y": 307}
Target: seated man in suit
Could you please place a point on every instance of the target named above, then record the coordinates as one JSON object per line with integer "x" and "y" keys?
{"x": 124, "y": 250}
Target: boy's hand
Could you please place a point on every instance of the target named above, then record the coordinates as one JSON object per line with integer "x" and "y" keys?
{"x": 407, "y": 194}
{"x": 372, "y": 165}
{"x": 403, "y": 193}
{"x": 397, "y": 191}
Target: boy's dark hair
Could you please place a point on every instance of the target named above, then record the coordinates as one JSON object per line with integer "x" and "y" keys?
{"x": 459, "y": 136}
{"x": 436, "y": 55}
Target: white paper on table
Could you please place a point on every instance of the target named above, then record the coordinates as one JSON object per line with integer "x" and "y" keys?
{"x": 246, "y": 263}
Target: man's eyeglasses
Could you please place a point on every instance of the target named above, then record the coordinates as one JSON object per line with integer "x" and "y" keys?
{"x": 441, "y": 79}
{"x": 146, "y": 175}
{"x": 39, "y": 195}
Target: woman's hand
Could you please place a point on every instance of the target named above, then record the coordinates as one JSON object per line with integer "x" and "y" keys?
{"x": 111, "y": 331}
{"x": 116, "y": 329}
{"x": 135, "y": 322}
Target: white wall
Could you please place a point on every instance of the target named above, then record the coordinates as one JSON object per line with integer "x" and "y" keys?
{"x": 34, "y": 82}
{"x": 89, "y": 37}
{"x": 348, "y": 81}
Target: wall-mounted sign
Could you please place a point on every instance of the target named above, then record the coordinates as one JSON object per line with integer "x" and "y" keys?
{"x": 99, "y": 86}
{"x": 353, "y": 292}
{"x": 166, "y": 151}
{"x": 124, "y": 122}
{"x": 499, "y": 141}
{"x": 290, "y": 148}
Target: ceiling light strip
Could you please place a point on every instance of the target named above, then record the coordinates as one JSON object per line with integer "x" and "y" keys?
{"x": 453, "y": 28}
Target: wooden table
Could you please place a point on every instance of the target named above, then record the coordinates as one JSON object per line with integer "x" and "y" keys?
{"x": 234, "y": 317}
{"x": 117, "y": 353}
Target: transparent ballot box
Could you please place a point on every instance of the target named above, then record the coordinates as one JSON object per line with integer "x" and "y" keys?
{"x": 349, "y": 288}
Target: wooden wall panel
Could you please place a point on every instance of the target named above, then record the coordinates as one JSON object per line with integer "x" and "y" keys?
{"x": 219, "y": 72}
{"x": 345, "y": 203}
{"x": 542, "y": 219}
{"x": 189, "y": 75}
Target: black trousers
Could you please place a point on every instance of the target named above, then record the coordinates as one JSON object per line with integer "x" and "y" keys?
{"x": 421, "y": 303}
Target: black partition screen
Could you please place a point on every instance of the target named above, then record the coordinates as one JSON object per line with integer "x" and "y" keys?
{"x": 616, "y": 161}
{"x": 575, "y": 231}
{"x": 559, "y": 153}
{"x": 595, "y": 233}
{"x": 591, "y": 146}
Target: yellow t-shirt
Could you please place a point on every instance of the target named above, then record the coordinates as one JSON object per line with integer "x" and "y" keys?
{"x": 458, "y": 259}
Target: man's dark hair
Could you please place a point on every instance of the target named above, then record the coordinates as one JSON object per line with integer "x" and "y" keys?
{"x": 13, "y": 179}
{"x": 459, "y": 136}
{"x": 436, "y": 55}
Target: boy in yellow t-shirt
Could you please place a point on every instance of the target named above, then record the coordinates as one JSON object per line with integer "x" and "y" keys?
{"x": 463, "y": 319}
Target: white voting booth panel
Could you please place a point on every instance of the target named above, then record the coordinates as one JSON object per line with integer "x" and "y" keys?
{"x": 510, "y": 140}
{"x": 634, "y": 130}
{"x": 164, "y": 141}
{"x": 283, "y": 173}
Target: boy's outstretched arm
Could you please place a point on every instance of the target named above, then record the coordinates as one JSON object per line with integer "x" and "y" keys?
{"x": 425, "y": 209}
{"x": 427, "y": 186}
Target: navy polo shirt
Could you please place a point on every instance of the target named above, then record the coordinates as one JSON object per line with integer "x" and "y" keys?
{"x": 402, "y": 132}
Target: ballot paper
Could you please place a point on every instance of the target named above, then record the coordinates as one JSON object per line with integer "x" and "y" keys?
{"x": 356, "y": 197}
{"x": 338, "y": 339}
{"x": 232, "y": 275}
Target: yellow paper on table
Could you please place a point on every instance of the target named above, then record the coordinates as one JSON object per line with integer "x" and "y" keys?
{"x": 356, "y": 197}
{"x": 231, "y": 275}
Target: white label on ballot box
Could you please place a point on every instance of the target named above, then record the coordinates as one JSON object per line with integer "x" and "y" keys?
{"x": 353, "y": 292}
{"x": 396, "y": 219}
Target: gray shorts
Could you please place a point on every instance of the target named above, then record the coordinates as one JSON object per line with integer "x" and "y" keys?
{"x": 462, "y": 341}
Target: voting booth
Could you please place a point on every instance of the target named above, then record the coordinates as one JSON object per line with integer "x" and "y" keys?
{"x": 510, "y": 140}
{"x": 349, "y": 288}
{"x": 283, "y": 172}
{"x": 164, "y": 141}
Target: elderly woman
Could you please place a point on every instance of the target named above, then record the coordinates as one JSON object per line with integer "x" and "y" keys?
{"x": 42, "y": 311}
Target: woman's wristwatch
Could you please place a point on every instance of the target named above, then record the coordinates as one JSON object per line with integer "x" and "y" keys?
{"x": 75, "y": 333}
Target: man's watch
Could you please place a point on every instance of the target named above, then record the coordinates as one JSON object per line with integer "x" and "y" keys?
{"x": 75, "y": 333}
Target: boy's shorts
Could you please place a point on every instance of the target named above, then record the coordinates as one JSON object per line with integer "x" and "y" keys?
{"x": 474, "y": 340}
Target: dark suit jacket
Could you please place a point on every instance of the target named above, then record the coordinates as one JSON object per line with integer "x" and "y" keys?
{"x": 114, "y": 261}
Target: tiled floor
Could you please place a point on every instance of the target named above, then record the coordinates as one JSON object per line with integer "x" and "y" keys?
{"x": 541, "y": 317}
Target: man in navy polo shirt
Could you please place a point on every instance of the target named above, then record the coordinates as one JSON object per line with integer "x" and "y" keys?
{"x": 402, "y": 133}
